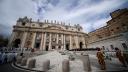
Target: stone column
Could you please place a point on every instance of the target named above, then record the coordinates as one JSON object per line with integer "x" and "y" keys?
{"x": 41, "y": 44}
{"x": 50, "y": 42}
{"x": 70, "y": 42}
{"x": 64, "y": 42}
{"x": 44, "y": 41}
{"x": 57, "y": 41}
{"x": 33, "y": 40}
{"x": 77, "y": 44}
{"x": 83, "y": 40}
{"x": 23, "y": 39}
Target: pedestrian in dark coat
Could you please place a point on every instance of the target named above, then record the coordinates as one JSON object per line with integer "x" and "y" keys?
{"x": 120, "y": 57}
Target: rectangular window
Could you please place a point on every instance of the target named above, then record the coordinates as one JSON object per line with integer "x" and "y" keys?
{"x": 124, "y": 46}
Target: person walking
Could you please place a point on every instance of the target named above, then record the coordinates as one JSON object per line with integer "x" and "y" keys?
{"x": 120, "y": 57}
{"x": 100, "y": 57}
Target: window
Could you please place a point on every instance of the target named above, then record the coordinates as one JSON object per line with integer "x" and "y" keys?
{"x": 125, "y": 28}
{"x": 23, "y": 23}
{"x": 78, "y": 29}
{"x": 124, "y": 46}
{"x": 30, "y": 33}
{"x": 114, "y": 21}
{"x": 59, "y": 35}
{"x": 53, "y": 47}
{"x": 119, "y": 17}
{"x": 117, "y": 28}
{"x": 54, "y": 39}
{"x": 112, "y": 30}
{"x": 59, "y": 41}
{"x": 59, "y": 47}
{"x": 123, "y": 25}
{"x": 47, "y": 34}
{"x": 73, "y": 44}
{"x": 99, "y": 36}
{"x": 40, "y": 25}
{"x": 33, "y": 24}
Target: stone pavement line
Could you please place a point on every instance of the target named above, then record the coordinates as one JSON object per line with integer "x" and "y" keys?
{"x": 18, "y": 68}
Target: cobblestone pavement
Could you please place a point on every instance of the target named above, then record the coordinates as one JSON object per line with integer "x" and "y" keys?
{"x": 111, "y": 65}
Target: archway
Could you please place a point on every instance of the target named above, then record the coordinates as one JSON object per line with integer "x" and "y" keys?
{"x": 16, "y": 43}
{"x": 80, "y": 45}
{"x": 67, "y": 46}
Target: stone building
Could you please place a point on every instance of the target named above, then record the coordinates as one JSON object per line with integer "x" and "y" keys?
{"x": 57, "y": 35}
{"x": 46, "y": 35}
{"x": 114, "y": 34}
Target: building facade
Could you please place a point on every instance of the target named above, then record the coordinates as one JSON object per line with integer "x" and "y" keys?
{"x": 46, "y": 35}
{"x": 56, "y": 35}
{"x": 114, "y": 34}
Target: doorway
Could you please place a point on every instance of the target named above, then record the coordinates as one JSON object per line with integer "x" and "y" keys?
{"x": 67, "y": 46}
{"x": 80, "y": 45}
{"x": 47, "y": 47}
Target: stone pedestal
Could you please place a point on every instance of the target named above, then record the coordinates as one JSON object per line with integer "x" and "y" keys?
{"x": 65, "y": 66}
{"x": 24, "y": 62}
{"x": 46, "y": 65}
{"x": 86, "y": 62}
{"x": 19, "y": 59}
{"x": 32, "y": 63}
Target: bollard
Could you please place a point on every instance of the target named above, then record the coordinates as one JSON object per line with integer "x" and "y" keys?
{"x": 18, "y": 60}
{"x": 86, "y": 62}
{"x": 46, "y": 65}
{"x": 32, "y": 63}
{"x": 71, "y": 57}
{"x": 65, "y": 66}
{"x": 24, "y": 62}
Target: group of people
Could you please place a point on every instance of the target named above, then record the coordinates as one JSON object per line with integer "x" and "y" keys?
{"x": 101, "y": 59}
{"x": 6, "y": 57}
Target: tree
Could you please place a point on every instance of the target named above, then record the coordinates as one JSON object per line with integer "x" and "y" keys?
{"x": 3, "y": 41}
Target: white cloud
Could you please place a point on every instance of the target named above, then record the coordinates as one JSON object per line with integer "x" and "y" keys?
{"x": 100, "y": 23}
{"x": 88, "y": 13}
{"x": 11, "y": 10}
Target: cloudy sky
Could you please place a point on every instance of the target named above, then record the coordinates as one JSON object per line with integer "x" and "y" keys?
{"x": 90, "y": 14}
